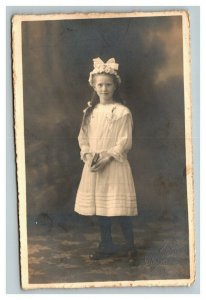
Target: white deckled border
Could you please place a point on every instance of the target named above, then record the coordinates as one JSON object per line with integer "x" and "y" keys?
{"x": 20, "y": 147}
{"x": 96, "y": 15}
{"x": 188, "y": 140}
{"x": 120, "y": 284}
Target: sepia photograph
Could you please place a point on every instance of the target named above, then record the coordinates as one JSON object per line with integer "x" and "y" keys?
{"x": 103, "y": 140}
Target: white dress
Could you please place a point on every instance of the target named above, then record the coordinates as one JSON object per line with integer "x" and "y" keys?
{"x": 110, "y": 191}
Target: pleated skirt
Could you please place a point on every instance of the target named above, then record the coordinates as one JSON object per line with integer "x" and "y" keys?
{"x": 108, "y": 192}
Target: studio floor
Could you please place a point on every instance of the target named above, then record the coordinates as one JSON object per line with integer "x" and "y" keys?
{"x": 60, "y": 253}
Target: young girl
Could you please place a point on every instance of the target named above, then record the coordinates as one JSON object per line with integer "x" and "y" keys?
{"x": 106, "y": 188}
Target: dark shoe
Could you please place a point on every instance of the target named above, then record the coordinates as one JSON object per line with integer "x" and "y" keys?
{"x": 104, "y": 252}
{"x": 97, "y": 255}
{"x": 132, "y": 257}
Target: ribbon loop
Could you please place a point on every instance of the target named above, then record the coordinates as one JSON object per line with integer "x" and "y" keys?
{"x": 98, "y": 63}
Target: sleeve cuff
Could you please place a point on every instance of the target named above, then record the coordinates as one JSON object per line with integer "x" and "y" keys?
{"x": 116, "y": 155}
{"x": 83, "y": 153}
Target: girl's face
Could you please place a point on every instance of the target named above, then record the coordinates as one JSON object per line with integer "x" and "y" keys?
{"x": 104, "y": 87}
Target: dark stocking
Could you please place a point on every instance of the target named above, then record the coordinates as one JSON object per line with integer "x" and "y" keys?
{"x": 105, "y": 230}
{"x": 127, "y": 230}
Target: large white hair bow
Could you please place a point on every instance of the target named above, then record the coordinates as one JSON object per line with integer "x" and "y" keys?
{"x": 98, "y": 63}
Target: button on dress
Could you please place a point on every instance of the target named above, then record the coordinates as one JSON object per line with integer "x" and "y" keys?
{"x": 110, "y": 191}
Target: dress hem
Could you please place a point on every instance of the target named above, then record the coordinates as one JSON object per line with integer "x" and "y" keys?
{"x": 107, "y": 214}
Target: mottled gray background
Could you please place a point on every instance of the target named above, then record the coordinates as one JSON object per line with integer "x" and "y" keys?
{"x": 148, "y": 132}
{"x": 57, "y": 58}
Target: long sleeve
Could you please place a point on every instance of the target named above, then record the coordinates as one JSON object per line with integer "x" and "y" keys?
{"x": 124, "y": 138}
{"x": 83, "y": 143}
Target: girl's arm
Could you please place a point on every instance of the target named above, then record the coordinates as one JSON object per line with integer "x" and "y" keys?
{"x": 124, "y": 139}
{"x": 83, "y": 144}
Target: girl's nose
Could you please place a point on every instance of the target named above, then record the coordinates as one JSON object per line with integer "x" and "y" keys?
{"x": 104, "y": 88}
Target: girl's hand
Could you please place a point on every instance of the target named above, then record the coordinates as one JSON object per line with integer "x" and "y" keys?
{"x": 102, "y": 162}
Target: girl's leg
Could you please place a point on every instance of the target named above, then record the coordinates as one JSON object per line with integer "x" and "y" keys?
{"x": 127, "y": 230}
{"x": 106, "y": 247}
{"x": 105, "y": 224}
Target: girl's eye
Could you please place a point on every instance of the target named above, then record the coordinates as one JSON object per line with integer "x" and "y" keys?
{"x": 107, "y": 84}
